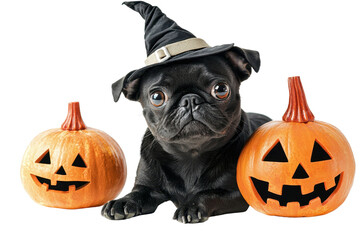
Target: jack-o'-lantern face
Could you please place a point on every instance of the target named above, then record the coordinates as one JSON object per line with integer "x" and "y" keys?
{"x": 292, "y": 191}
{"x": 73, "y": 169}
{"x": 51, "y": 180}
{"x": 296, "y": 169}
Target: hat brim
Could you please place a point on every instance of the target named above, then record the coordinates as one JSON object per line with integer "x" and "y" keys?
{"x": 184, "y": 56}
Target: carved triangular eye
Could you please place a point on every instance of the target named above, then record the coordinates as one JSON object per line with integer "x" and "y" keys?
{"x": 44, "y": 159}
{"x": 79, "y": 162}
{"x": 319, "y": 153}
{"x": 276, "y": 154}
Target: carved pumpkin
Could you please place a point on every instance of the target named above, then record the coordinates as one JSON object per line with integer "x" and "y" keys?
{"x": 73, "y": 166}
{"x": 298, "y": 166}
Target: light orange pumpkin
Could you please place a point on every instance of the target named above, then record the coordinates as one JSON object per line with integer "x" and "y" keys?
{"x": 73, "y": 166}
{"x": 298, "y": 166}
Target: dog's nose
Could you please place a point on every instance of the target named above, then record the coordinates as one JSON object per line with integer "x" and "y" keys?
{"x": 191, "y": 101}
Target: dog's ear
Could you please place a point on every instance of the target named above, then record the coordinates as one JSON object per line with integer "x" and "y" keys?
{"x": 242, "y": 60}
{"x": 129, "y": 88}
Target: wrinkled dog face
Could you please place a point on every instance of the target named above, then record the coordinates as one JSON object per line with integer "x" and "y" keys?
{"x": 191, "y": 102}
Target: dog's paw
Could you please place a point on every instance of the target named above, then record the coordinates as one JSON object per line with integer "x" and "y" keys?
{"x": 120, "y": 209}
{"x": 191, "y": 214}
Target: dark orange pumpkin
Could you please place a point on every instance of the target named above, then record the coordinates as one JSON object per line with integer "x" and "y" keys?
{"x": 298, "y": 166}
{"x": 73, "y": 166}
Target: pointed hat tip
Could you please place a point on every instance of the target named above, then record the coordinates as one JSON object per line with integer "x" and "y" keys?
{"x": 143, "y": 8}
{"x": 132, "y": 4}
{"x": 128, "y": 3}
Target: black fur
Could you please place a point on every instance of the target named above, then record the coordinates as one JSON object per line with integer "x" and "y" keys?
{"x": 190, "y": 150}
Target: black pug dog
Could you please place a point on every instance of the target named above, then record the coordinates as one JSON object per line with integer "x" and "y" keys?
{"x": 196, "y": 130}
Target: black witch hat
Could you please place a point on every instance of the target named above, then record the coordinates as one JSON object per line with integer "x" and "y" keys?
{"x": 167, "y": 42}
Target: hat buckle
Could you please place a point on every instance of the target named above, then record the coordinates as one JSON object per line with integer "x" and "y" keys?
{"x": 162, "y": 54}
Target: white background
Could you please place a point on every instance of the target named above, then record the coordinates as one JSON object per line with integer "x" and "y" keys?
{"x": 55, "y": 52}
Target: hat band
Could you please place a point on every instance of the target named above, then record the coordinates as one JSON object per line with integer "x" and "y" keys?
{"x": 164, "y": 53}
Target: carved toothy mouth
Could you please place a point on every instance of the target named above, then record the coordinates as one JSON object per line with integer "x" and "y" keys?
{"x": 292, "y": 193}
{"x": 62, "y": 186}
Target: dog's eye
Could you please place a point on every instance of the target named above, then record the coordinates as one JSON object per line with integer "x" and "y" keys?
{"x": 157, "y": 98}
{"x": 220, "y": 91}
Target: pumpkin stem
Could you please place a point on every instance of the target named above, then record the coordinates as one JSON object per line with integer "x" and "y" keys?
{"x": 298, "y": 110}
{"x": 73, "y": 121}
